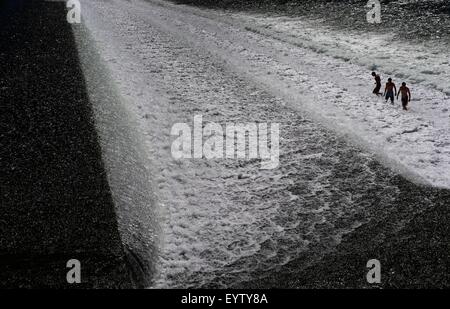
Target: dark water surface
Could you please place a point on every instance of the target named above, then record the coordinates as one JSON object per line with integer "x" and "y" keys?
{"x": 407, "y": 19}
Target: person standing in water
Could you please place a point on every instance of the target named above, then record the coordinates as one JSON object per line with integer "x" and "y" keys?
{"x": 390, "y": 90}
{"x": 377, "y": 83}
{"x": 406, "y": 95}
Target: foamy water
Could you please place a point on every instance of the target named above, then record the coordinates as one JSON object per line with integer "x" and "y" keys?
{"x": 227, "y": 221}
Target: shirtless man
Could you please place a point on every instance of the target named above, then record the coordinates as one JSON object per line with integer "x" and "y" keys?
{"x": 390, "y": 90}
{"x": 406, "y": 96}
{"x": 377, "y": 83}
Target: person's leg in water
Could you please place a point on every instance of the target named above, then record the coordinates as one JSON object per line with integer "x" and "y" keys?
{"x": 390, "y": 95}
{"x": 405, "y": 103}
{"x": 377, "y": 90}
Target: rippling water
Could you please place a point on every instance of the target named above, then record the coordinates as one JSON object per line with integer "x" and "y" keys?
{"x": 224, "y": 222}
{"x": 408, "y": 19}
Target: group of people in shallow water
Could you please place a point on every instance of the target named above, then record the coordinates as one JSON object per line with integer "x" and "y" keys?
{"x": 390, "y": 91}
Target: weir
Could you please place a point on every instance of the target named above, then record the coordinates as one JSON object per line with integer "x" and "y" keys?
{"x": 128, "y": 170}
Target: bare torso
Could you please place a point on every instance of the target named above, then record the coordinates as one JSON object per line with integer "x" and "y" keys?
{"x": 390, "y": 87}
{"x": 404, "y": 91}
